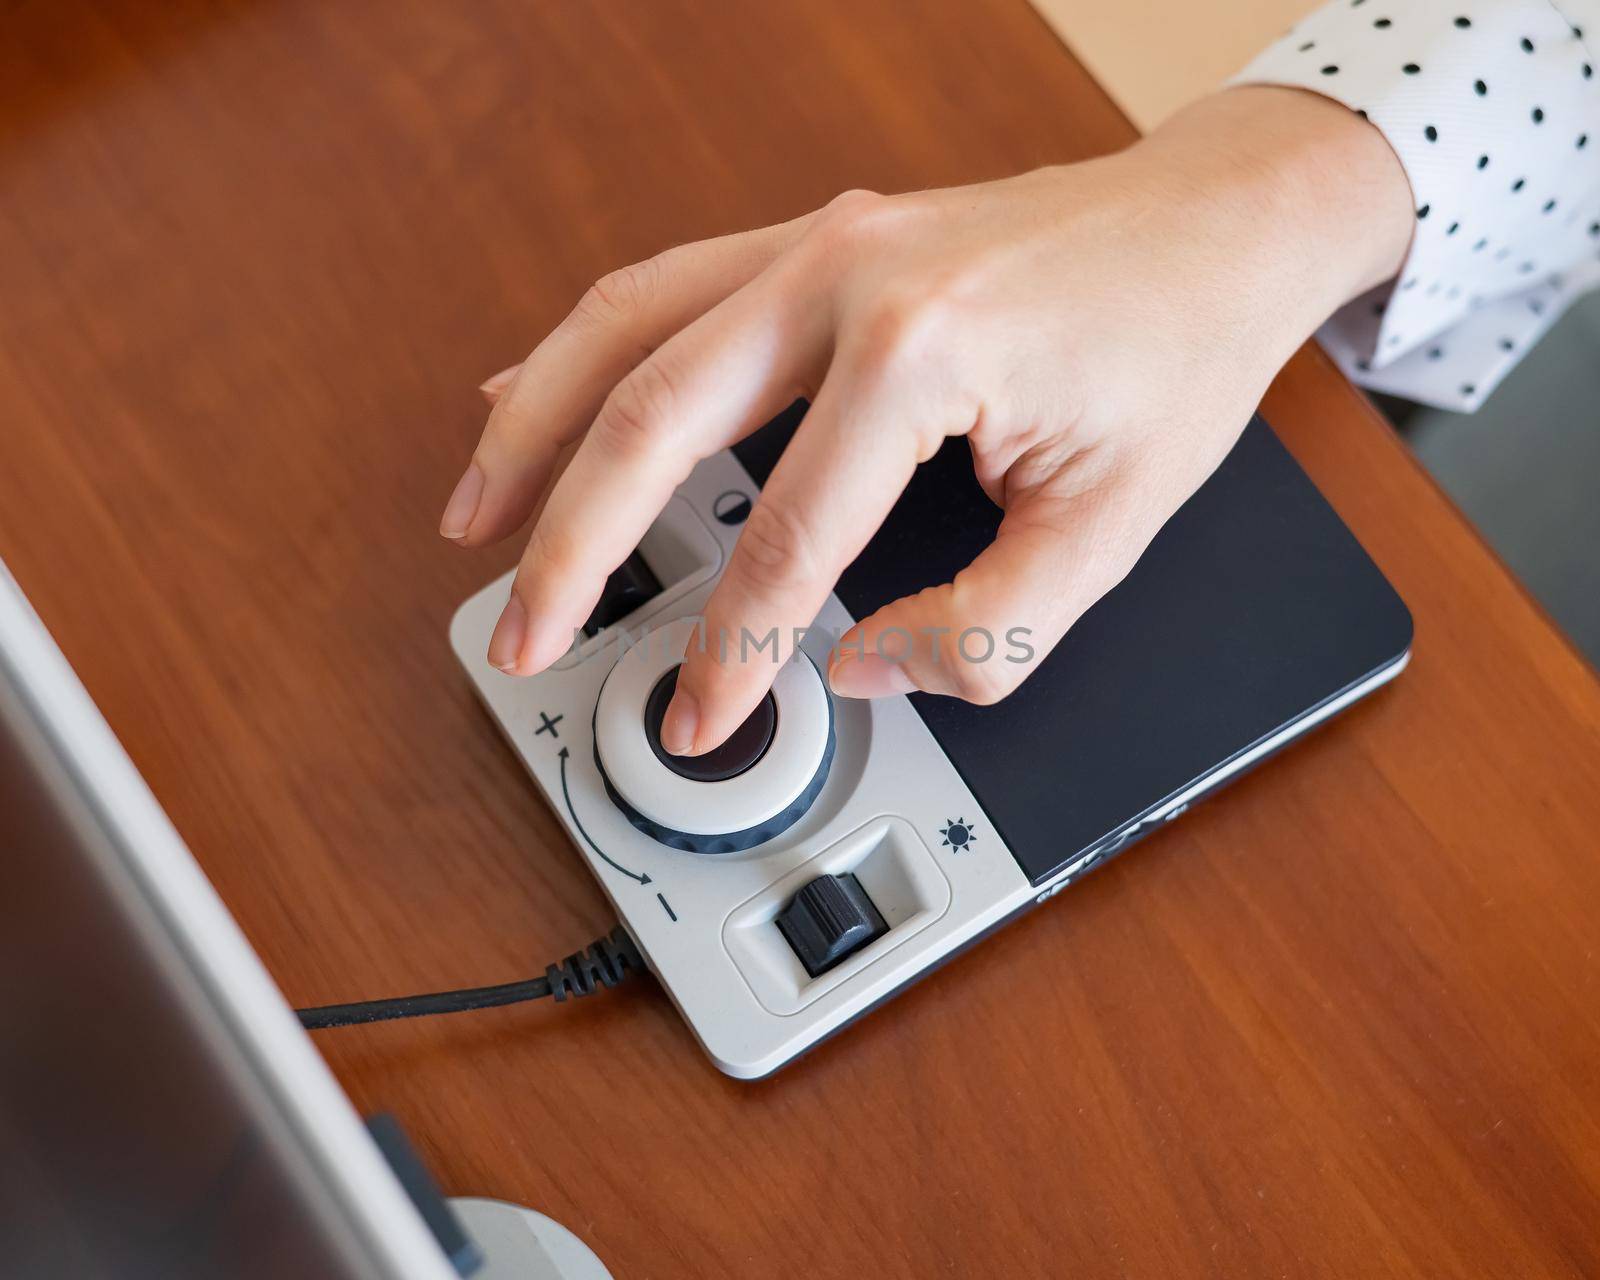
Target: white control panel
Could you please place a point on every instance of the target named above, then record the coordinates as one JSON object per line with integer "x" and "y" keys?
{"x": 848, "y": 823}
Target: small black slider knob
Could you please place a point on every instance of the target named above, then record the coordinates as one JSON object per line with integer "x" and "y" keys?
{"x": 630, "y": 585}
{"x": 829, "y": 919}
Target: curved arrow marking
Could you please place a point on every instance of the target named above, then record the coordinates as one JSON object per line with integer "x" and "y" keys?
{"x": 567, "y": 796}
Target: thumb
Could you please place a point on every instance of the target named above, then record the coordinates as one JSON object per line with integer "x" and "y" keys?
{"x": 980, "y": 636}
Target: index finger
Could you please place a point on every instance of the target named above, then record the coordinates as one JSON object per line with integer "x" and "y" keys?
{"x": 843, "y": 471}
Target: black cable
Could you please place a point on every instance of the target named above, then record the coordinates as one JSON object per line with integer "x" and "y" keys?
{"x": 603, "y": 963}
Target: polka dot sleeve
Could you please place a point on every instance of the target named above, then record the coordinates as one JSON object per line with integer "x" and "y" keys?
{"x": 1493, "y": 107}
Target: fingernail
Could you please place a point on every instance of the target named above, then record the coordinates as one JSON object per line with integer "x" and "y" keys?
{"x": 869, "y": 676}
{"x": 495, "y": 387}
{"x": 463, "y": 504}
{"x": 505, "y": 645}
{"x": 679, "y": 724}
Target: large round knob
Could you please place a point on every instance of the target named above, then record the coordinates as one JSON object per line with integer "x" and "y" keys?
{"x": 752, "y": 788}
{"x": 744, "y": 747}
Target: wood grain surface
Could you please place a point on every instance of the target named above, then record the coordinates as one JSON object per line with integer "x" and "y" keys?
{"x": 254, "y": 258}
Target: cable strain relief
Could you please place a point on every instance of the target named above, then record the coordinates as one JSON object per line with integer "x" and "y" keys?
{"x": 603, "y": 963}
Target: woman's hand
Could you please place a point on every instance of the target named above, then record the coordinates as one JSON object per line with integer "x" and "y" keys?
{"x": 1100, "y": 333}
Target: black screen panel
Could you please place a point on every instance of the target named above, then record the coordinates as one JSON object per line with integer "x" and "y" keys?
{"x": 1251, "y": 608}
{"x": 136, "y": 1138}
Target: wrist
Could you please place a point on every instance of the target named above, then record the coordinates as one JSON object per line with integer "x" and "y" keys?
{"x": 1312, "y": 196}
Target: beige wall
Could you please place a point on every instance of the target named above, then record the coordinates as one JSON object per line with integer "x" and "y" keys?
{"x": 1152, "y": 56}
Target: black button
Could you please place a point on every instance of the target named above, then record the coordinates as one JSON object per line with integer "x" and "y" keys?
{"x": 829, "y": 919}
{"x": 631, "y": 584}
{"x": 746, "y": 745}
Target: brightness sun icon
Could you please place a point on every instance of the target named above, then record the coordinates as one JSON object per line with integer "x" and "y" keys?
{"x": 958, "y": 834}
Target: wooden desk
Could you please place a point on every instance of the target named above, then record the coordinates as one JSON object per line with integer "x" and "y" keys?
{"x": 254, "y": 258}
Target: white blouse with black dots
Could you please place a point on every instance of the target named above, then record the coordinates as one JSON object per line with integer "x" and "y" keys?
{"x": 1493, "y": 107}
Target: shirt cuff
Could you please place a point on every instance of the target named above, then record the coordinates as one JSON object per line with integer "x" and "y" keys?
{"x": 1490, "y": 116}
